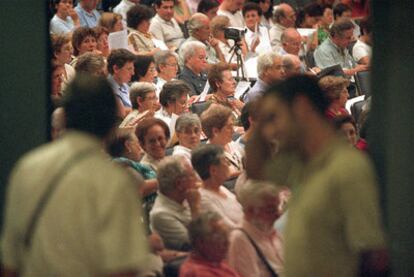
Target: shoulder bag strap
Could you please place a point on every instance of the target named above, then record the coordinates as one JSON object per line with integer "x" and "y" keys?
{"x": 48, "y": 193}
{"x": 259, "y": 253}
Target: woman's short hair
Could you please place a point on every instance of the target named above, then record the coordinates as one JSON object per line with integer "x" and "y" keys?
{"x": 141, "y": 66}
{"x": 215, "y": 74}
{"x": 332, "y": 86}
{"x": 91, "y": 63}
{"x": 187, "y": 120}
{"x": 201, "y": 227}
{"x": 108, "y": 20}
{"x": 58, "y": 41}
{"x": 137, "y": 14}
{"x": 140, "y": 89}
{"x": 218, "y": 24}
{"x": 99, "y": 30}
{"x": 79, "y": 35}
{"x": 251, "y": 6}
{"x": 161, "y": 57}
{"x": 143, "y": 127}
{"x": 215, "y": 116}
{"x": 172, "y": 91}
{"x": 205, "y": 156}
{"x": 252, "y": 193}
{"x": 116, "y": 144}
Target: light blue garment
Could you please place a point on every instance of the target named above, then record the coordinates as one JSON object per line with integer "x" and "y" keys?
{"x": 87, "y": 19}
{"x": 58, "y": 26}
{"x": 328, "y": 54}
{"x": 121, "y": 91}
{"x": 256, "y": 91}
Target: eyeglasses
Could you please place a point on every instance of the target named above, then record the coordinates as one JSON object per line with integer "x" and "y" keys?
{"x": 171, "y": 64}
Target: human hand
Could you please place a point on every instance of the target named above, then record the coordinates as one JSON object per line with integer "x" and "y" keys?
{"x": 213, "y": 42}
{"x": 255, "y": 43}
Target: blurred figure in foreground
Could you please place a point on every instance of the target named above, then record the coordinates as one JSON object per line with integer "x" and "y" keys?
{"x": 334, "y": 226}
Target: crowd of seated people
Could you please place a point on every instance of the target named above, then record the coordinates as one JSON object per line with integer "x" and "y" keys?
{"x": 176, "y": 54}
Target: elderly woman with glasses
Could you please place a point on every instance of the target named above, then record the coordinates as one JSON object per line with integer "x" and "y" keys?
{"x": 144, "y": 103}
{"x": 174, "y": 101}
{"x": 188, "y": 131}
{"x": 153, "y": 135}
{"x": 223, "y": 85}
{"x": 166, "y": 62}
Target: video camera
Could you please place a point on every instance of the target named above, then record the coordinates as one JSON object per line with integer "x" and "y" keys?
{"x": 233, "y": 33}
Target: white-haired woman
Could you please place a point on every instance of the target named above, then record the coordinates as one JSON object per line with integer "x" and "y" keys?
{"x": 188, "y": 131}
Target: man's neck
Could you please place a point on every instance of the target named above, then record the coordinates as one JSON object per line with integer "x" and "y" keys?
{"x": 117, "y": 80}
{"x": 261, "y": 225}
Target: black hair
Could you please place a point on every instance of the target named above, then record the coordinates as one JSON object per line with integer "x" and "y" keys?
{"x": 141, "y": 65}
{"x": 90, "y": 105}
{"x": 119, "y": 57}
{"x": 250, "y": 6}
{"x": 339, "y": 9}
{"x": 205, "y": 5}
{"x": 294, "y": 86}
{"x": 267, "y": 14}
{"x": 138, "y": 13}
{"x": 204, "y": 156}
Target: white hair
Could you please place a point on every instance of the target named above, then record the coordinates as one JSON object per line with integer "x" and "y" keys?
{"x": 170, "y": 170}
{"x": 252, "y": 193}
{"x": 264, "y": 61}
{"x": 188, "y": 49}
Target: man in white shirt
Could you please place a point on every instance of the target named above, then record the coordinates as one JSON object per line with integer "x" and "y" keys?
{"x": 163, "y": 25}
{"x": 285, "y": 17}
{"x": 123, "y": 7}
{"x": 232, "y": 9}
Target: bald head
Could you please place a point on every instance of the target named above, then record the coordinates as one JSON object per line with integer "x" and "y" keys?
{"x": 285, "y": 15}
{"x": 198, "y": 26}
{"x": 291, "y": 41}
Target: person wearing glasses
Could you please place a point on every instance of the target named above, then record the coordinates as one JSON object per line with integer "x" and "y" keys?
{"x": 284, "y": 17}
{"x": 188, "y": 130}
{"x": 144, "y": 69}
{"x": 173, "y": 99}
{"x": 166, "y": 63}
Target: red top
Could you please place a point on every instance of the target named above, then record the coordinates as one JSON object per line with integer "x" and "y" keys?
{"x": 195, "y": 267}
{"x": 362, "y": 145}
{"x": 330, "y": 114}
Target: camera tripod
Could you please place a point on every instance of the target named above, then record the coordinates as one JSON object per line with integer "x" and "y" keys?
{"x": 236, "y": 50}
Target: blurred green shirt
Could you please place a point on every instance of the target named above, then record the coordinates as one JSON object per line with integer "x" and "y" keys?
{"x": 333, "y": 214}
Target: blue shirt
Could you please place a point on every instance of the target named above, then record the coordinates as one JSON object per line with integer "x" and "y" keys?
{"x": 328, "y": 54}
{"x": 256, "y": 91}
{"x": 87, "y": 19}
{"x": 121, "y": 91}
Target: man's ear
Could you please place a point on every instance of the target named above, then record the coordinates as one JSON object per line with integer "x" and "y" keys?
{"x": 215, "y": 130}
{"x": 115, "y": 68}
